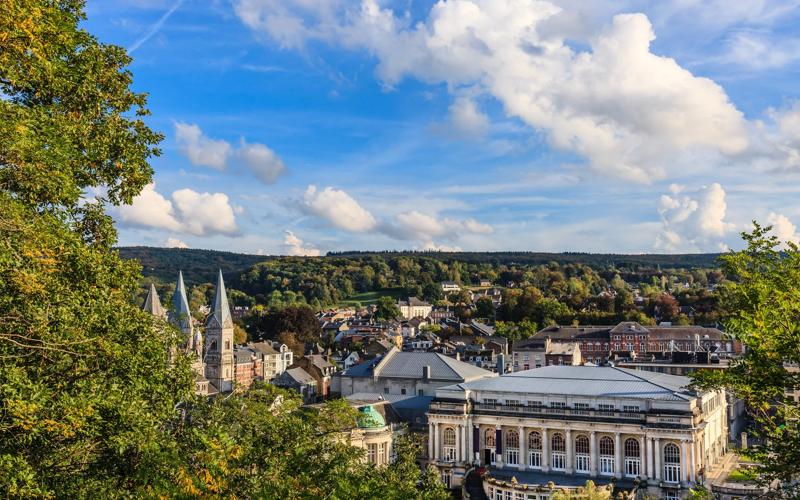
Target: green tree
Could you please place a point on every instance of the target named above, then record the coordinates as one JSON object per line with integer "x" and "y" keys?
{"x": 484, "y": 308}
{"x": 386, "y": 308}
{"x": 588, "y": 492}
{"x": 762, "y": 304}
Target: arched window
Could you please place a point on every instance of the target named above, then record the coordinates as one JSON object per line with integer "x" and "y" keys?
{"x": 558, "y": 459}
{"x": 535, "y": 449}
{"x": 582, "y": 454}
{"x": 632, "y": 457}
{"x": 558, "y": 443}
{"x": 582, "y": 445}
{"x": 488, "y": 438}
{"x": 512, "y": 439}
{"x": 213, "y": 345}
{"x": 632, "y": 448}
{"x": 606, "y": 446}
{"x": 607, "y": 465}
{"x": 534, "y": 441}
{"x": 672, "y": 463}
{"x": 512, "y": 447}
{"x": 449, "y": 436}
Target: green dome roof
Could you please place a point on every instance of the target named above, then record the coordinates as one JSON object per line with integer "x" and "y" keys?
{"x": 369, "y": 418}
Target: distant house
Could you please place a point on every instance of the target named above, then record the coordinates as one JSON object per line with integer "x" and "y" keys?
{"x": 538, "y": 352}
{"x": 320, "y": 370}
{"x": 485, "y": 282}
{"x": 298, "y": 380}
{"x": 450, "y": 287}
{"x": 412, "y": 307}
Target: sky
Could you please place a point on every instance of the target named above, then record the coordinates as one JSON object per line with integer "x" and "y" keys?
{"x": 298, "y": 127}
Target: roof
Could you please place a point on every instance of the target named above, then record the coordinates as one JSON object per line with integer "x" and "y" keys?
{"x": 397, "y": 364}
{"x": 221, "y": 313}
{"x": 242, "y": 354}
{"x": 300, "y": 375}
{"x": 152, "y": 304}
{"x": 587, "y": 381}
{"x": 181, "y": 315}
{"x": 562, "y": 348}
{"x": 556, "y": 332}
{"x": 319, "y": 361}
{"x": 413, "y": 301}
{"x": 263, "y": 347}
{"x": 369, "y": 418}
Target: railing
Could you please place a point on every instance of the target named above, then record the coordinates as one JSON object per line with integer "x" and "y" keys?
{"x": 543, "y": 410}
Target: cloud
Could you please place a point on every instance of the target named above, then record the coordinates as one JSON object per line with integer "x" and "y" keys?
{"x": 430, "y": 246}
{"x": 693, "y": 222}
{"x": 186, "y": 211}
{"x": 783, "y": 228}
{"x": 175, "y": 243}
{"x": 200, "y": 149}
{"x": 628, "y": 111}
{"x": 779, "y": 134}
{"x": 415, "y": 225}
{"x": 295, "y": 246}
{"x": 758, "y": 51}
{"x": 338, "y": 208}
{"x": 466, "y": 118}
{"x": 265, "y": 165}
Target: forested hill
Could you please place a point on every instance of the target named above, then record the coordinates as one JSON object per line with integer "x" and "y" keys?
{"x": 594, "y": 260}
{"x": 198, "y": 266}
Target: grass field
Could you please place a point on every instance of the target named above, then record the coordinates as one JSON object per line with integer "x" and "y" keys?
{"x": 367, "y": 298}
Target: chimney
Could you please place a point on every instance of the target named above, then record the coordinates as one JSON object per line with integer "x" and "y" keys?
{"x": 458, "y": 356}
{"x": 426, "y": 372}
{"x": 501, "y": 363}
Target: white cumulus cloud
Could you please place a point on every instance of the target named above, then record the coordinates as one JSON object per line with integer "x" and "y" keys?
{"x": 783, "y": 228}
{"x": 338, "y": 208}
{"x": 186, "y": 211}
{"x": 416, "y": 225}
{"x": 175, "y": 243}
{"x": 265, "y": 165}
{"x": 694, "y": 221}
{"x": 466, "y": 118}
{"x": 200, "y": 149}
{"x": 295, "y": 246}
{"x": 628, "y": 111}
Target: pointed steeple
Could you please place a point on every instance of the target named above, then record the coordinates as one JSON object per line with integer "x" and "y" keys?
{"x": 221, "y": 313}
{"x": 181, "y": 315}
{"x": 152, "y": 304}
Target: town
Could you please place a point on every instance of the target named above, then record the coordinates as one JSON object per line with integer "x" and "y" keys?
{"x": 503, "y": 419}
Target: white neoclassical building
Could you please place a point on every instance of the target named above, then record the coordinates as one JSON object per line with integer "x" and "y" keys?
{"x": 557, "y": 426}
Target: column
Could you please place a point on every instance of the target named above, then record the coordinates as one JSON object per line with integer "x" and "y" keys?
{"x": 436, "y": 447}
{"x": 657, "y": 456}
{"x": 498, "y": 445}
{"x": 650, "y": 472}
{"x": 570, "y": 455}
{"x": 477, "y": 447}
{"x": 459, "y": 443}
{"x": 617, "y": 456}
{"x": 592, "y": 454}
{"x": 545, "y": 451}
{"x": 684, "y": 461}
{"x": 430, "y": 441}
{"x": 642, "y": 457}
{"x": 693, "y": 467}
{"x": 523, "y": 448}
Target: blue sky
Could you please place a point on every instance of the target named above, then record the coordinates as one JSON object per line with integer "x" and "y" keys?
{"x": 304, "y": 126}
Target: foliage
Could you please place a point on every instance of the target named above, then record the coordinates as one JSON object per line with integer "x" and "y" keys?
{"x": 588, "y": 492}
{"x": 298, "y": 320}
{"x": 387, "y": 309}
{"x": 763, "y": 311}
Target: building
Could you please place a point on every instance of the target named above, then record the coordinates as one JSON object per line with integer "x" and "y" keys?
{"x": 450, "y": 287}
{"x": 538, "y": 352}
{"x": 298, "y": 380}
{"x": 320, "y": 369}
{"x": 406, "y": 373}
{"x": 277, "y": 357}
{"x": 567, "y": 424}
{"x": 412, "y": 307}
{"x": 219, "y": 362}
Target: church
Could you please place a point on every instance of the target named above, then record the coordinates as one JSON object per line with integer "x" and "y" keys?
{"x": 219, "y": 364}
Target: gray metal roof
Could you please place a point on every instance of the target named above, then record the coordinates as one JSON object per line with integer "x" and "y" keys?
{"x": 410, "y": 365}
{"x": 594, "y": 381}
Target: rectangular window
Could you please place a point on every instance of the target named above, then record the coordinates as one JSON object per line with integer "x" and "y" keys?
{"x": 512, "y": 456}
{"x": 606, "y": 465}
{"x": 605, "y": 407}
{"x": 559, "y": 460}
{"x": 386, "y": 390}
{"x": 558, "y": 404}
{"x": 512, "y": 402}
{"x": 381, "y": 458}
{"x": 489, "y": 401}
{"x": 535, "y": 458}
{"x": 420, "y": 392}
{"x": 672, "y": 473}
{"x": 630, "y": 408}
{"x": 372, "y": 450}
{"x": 535, "y": 404}
{"x": 581, "y": 463}
{"x": 631, "y": 467}
{"x": 449, "y": 454}
{"x": 402, "y": 391}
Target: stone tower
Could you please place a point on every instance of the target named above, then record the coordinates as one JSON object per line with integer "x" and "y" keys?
{"x": 153, "y": 305}
{"x": 219, "y": 341}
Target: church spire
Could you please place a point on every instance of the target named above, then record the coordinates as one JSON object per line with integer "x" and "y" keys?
{"x": 152, "y": 304}
{"x": 181, "y": 315}
{"x": 221, "y": 314}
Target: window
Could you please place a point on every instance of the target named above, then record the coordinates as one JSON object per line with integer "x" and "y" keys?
{"x": 420, "y": 392}
{"x": 632, "y": 457}
{"x": 402, "y": 391}
{"x": 381, "y": 453}
{"x": 606, "y": 408}
{"x": 488, "y": 438}
{"x": 581, "y": 454}
{"x": 512, "y": 447}
{"x": 630, "y": 408}
{"x": 616, "y": 346}
{"x": 228, "y": 345}
{"x": 489, "y": 401}
{"x": 372, "y": 450}
{"x": 606, "y": 455}
{"x": 672, "y": 463}
{"x": 386, "y": 390}
{"x": 449, "y": 444}
{"x": 535, "y": 449}
{"x": 641, "y": 346}
{"x": 558, "y": 456}
{"x": 512, "y": 402}
{"x": 535, "y": 404}
{"x": 581, "y": 408}
{"x": 558, "y": 404}
{"x": 213, "y": 345}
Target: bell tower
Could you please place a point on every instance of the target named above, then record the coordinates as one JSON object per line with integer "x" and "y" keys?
{"x": 219, "y": 341}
